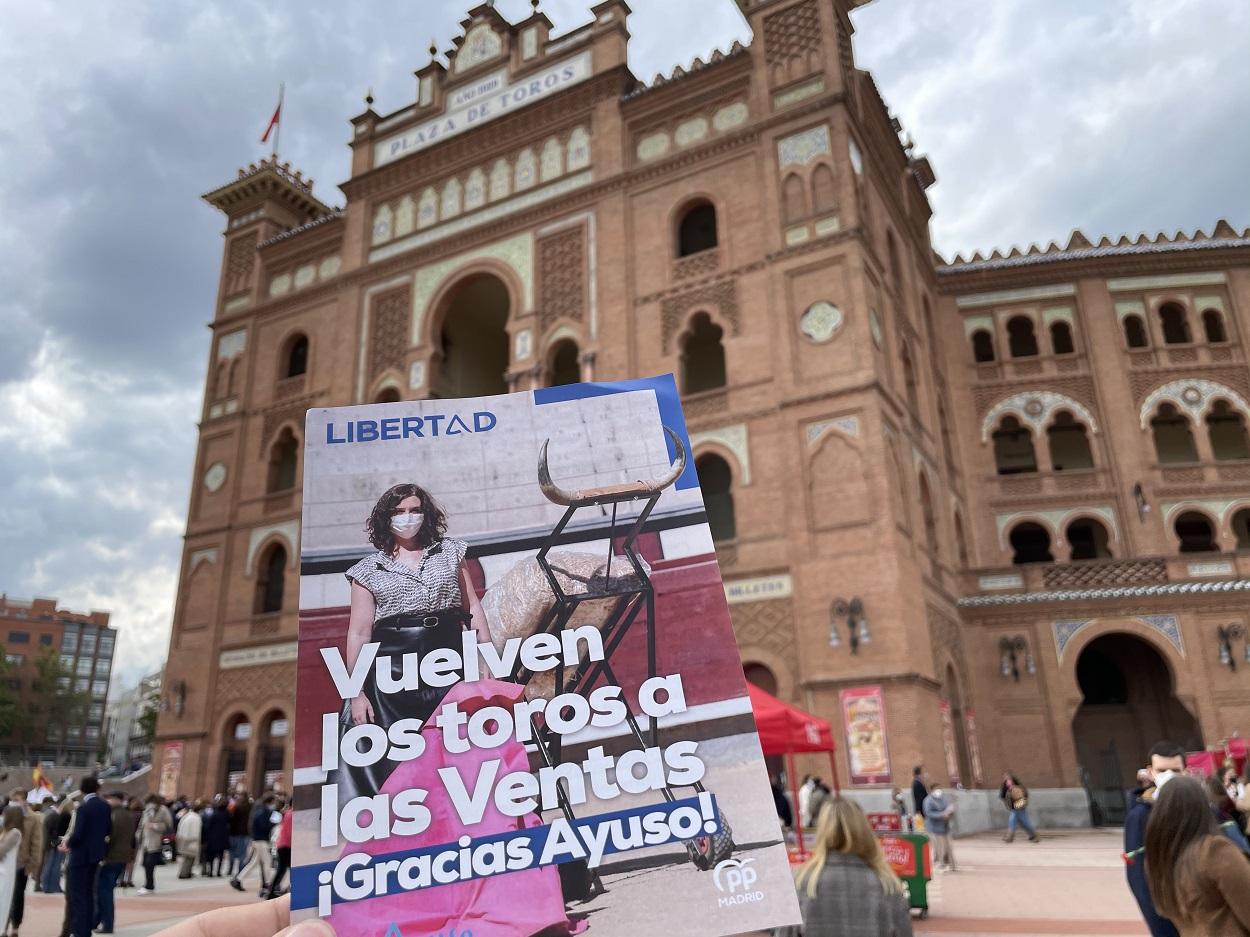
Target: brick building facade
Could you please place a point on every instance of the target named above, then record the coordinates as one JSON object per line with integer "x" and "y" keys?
{"x": 966, "y": 483}
{"x": 85, "y": 644}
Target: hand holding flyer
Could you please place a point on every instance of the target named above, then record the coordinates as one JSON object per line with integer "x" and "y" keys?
{"x": 487, "y": 723}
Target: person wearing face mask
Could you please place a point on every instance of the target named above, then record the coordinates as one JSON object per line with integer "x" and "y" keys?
{"x": 1167, "y": 760}
{"x": 937, "y": 816}
{"x": 413, "y": 595}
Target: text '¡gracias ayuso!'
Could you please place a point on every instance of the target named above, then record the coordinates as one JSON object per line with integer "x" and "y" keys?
{"x": 410, "y": 427}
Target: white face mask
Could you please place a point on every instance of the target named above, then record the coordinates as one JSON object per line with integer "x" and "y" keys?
{"x": 936, "y": 792}
{"x": 406, "y": 525}
{"x": 1162, "y": 778}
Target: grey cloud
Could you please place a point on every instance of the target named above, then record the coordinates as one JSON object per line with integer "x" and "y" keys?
{"x": 120, "y": 115}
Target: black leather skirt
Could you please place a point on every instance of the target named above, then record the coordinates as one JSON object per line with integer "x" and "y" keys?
{"x": 415, "y": 633}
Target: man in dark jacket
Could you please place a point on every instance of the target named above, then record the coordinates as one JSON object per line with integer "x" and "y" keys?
{"x": 240, "y": 834}
{"x": 1166, "y": 761}
{"x": 262, "y": 824}
{"x": 919, "y": 791}
{"x": 86, "y": 844}
{"x": 120, "y": 852}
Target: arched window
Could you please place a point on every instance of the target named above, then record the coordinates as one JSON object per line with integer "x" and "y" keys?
{"x": 1135, "y": 335}
{"x": 716, "y": 481}
{"x": 1213, "y": 326}
{"x": 1175, "y": 324}
{"x": 896, "y": 267}
{"x": 793, "y": 204}
{"x": 1195, "y": 533}
{"x": 824, "y": 196}
{"x": 702, "y": 355}
{"x": 961, "y": 541}
{"x": 697, "y": 229}
{"x": 1021, "y": 340}
{"x": 1088, "y": 539}
{"x": 1061, "y": 338}
{"x": 1013, "y": 448}
{"x": 275, "y": 731}
{"x": 1226, "y": 428}
{"x": 270, "y": 580}
{"x": 1173, "y": 436}
{"x": 1030, "y": 543}
{"x": 1241, "y": 528}
{"x": 283, "y": 458}
{"x": 759, "y": 675}
{"x": 944, "y": 427}
{"x": 930, "y": 521}
{"x": 296, "y": 358}
{"x": 982, "y": 346}
{"x": 1069, "y": 444}
{"x": 563, "y": 367}
{"x": 909, "y": 378}
{"x": 387, "y": 395}
{"x": 234, "y": 753}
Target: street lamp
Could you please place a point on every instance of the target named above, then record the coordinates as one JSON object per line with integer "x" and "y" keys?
{"x": 1225, "y": 635}
{"x": 856, "y": 623}
{"x": 1010, "y": 651}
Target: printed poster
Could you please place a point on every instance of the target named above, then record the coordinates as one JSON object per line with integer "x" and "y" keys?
{"x": 521, "y": 708}
{"x": 863, "y": 717}
{"x": 948, "y": 742}
{"x": 974, "y": 745}
{"x": 171, "y": 770}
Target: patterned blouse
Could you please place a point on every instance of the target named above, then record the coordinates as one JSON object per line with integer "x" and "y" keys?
{"x": 398, "y": 589}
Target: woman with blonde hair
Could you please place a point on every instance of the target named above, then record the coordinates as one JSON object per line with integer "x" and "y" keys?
{"x": 846, "y": 888}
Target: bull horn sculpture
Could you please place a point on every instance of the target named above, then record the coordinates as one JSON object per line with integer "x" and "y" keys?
{"x": 622, "y": 492}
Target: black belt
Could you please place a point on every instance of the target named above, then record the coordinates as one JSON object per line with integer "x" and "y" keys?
{"x": 441, "y": 617}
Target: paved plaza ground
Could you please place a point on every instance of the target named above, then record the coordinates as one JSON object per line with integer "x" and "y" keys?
{"x": 1071, "y": 884}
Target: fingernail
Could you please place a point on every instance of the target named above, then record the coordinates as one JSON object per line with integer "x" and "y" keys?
{"x": 313, "y": 928}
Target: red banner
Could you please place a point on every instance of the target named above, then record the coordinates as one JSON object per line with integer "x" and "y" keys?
{"x": 974, "y": 747}
{"x": 867, "y": 750}
{"x": 948, "y": 742}
{"x": 900, "y": 854}
{"x": 885, "y": 822}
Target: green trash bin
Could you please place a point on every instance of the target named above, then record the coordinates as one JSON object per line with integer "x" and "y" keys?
{"x": 908, "y": 855}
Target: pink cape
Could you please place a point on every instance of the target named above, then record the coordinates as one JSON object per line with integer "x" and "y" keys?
{"x": 516, "y": 904}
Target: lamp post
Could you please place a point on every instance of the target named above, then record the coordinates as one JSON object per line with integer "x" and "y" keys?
{"x": 1225, "y": 635}
{"x": 852, "y": 613}
{"x": 1010, "y": 651}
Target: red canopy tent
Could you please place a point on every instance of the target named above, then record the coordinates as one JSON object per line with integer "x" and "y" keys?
{"x": 785, "y": 730}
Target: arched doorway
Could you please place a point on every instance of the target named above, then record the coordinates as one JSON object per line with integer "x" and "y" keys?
{"x": 1128, "y": 702}
{"x": 234, "y": 745}
{"x": 473, "y": 339}
{"x": 762, "y": 676}
{"x": 958, "y": 759}
{"x": 275, "y": 729}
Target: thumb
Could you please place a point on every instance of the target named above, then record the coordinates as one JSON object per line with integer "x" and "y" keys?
{"x": 314, "y": 927}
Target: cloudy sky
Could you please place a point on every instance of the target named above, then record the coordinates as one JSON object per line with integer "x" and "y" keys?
{"x": 1115, "y": 116}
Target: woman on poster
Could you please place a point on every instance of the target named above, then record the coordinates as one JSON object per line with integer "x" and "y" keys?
{"x": 414, "y": 595}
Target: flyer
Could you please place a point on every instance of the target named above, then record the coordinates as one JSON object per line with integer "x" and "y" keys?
{"x": 521, "y": 708}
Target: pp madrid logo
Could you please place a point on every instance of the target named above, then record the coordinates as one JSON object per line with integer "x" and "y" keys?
{"x": 735, "y": 880}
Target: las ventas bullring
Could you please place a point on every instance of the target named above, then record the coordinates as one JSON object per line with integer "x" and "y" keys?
{"x": 1009, "y": 492}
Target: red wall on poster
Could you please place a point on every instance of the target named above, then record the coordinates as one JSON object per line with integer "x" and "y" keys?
{"x": 867, "y": 748}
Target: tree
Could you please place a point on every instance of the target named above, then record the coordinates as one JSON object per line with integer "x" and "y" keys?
{"x": 146, "y": 722}
{"x": 15, "y": 720}
{"x": 53, "y": 700}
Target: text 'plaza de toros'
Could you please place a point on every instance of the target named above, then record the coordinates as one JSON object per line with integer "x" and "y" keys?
{"x": 1010, "y": 493}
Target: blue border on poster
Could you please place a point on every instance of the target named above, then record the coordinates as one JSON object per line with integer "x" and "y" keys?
{"x": 665, "y": 388}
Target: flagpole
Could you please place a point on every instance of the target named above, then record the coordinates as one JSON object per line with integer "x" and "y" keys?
{"x": 277, "y": 130}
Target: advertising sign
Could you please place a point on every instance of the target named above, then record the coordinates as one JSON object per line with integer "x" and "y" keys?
{"x": 520, "y": 705}
{"x": 171, "y": 770}
{"x": 948, "y": 741}
{"x": 974, "y": 746}
{"x": 863, "y": 717}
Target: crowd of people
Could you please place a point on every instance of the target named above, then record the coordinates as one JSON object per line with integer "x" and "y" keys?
{"x": 88, "y": 844}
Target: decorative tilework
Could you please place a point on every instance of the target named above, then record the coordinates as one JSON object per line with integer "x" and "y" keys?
{"x": 804, "y": 147}
{"x": 653, "y": 146}
{"x": 733, "y": 438}
{"x": 1065, "y": 630}
{"x": 1169, "y": 627}
{"x": 730, "y": 116}
{"x": 1035, "y": 408}
{"x": 848, "y": 425}
{"x": 231, "y": 344}
{"x": 821, "y": 321}
{"x": 1194, "y": 397}
{"x": 517, "y": 252}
